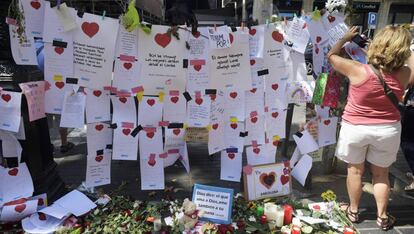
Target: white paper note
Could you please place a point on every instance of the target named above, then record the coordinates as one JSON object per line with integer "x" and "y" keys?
{"x": 305, "y": 142}
{"x": 23, "y": 52}
{"x": 73, "y": 112}
{"x": 97, "y": 106}
{"x": 17, "y": 183}
{"x": 76, "y": 203}
{"x": 152, "y": 173}
{"x": 10, "y": 104}
{"x": 301, "y": 170}
{"x": 149, "y": 111}
{"x": 33, "y": 17}
{"x": 327, "y": 131}
{"x": 17, "y": 212}
{"x": 123, "y": 109}
{"x": 231, "y": 166}
{"x": 198, "y": 111}
{"x": 98, "y": 168}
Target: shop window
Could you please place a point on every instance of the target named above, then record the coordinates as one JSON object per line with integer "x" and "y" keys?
{"x": 403, "y": 18}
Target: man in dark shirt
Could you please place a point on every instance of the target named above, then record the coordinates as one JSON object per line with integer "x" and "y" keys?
{"x": 407, "y": 134}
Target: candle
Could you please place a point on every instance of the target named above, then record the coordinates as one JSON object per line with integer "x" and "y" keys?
{"x": 272, "y": 224}
{"x": 260, "y": 211}
{"x": 295, "y": 229}
{"x": 288, "y": 214}
{"x": 348, "y": 230}
{"x": 280, "y": 215}
{"x": 270, "y": 210}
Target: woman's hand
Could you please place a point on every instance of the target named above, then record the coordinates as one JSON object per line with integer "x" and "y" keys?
{"x": 352, "y": 32}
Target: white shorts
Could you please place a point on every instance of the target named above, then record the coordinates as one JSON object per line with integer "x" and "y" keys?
{"x": 376, "y": 143}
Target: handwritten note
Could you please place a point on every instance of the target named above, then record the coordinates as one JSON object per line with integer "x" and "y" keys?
{"x": 10, "y": 103}
{"x": 35, "y": 96}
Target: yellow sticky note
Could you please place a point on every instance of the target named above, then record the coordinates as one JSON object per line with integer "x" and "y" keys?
{"x": 208, "y": 127}
{"x": 276, "y": 138}
{"x": 233, "y": 120}
{"x": 57, "y": 78}
{"x": 185, "y": 126}
{"x": 161, "y": 96}
{"x": 139, "y": 96}
{"x": 316, "y": 15}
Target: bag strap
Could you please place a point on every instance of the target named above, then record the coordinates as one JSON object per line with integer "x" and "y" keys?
{"x": 387, "y": 90}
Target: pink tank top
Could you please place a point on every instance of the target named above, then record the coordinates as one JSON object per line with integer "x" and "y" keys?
{"x": 367, "y": 102}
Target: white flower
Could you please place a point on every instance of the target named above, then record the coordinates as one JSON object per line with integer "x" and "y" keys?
{"x": 252, "y": 219}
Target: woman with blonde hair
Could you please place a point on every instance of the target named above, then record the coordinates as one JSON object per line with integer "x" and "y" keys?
{"x": 371, "y": 125}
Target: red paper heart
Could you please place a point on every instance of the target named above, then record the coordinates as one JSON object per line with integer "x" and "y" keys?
{"x": 59, "y": 84}
{"x": 284, "y": 179}
{"x": 231, "y": 38}
{"x": 331, "y": 18}
{"x": 99, "y": 127}
{"x": 275, "y": 114}
{"x": 252, "y": 31}
{"x": 150, "y": 134}
{"x": 36, "y": 5}
{"x": 253, "y": 120}
{"x": 127, "y": 66}
{"x": 97, "y": 93}
{"x": 231, "y": 155}
{"x": 253, "y": 90}
{"x": 318, "y": 39}
{"x": 126, "y": 131}
{"x": 197, "y": 34}
{"x": 247, "y": 170}
{"x": 233, "y": 125}
{"x": 90, "y": 29}
{"x": 174, "y": 99}
{"x": 252, "y": 62}
{"x": 198, "y": 101}
{"x": 13, "y": 172}
{"x": 277, "y": 36}
{"x": 6, "y": 97}
{"x": 267, "y": 180}
{"x": 99, "y": 158}
{"x": 162, "y": 39}
{"x": 151, "y": 102}
{"x": 275, "y": 86}
{"x": 59, "y": 50}
{"x": 40, "y": 202}
{"x": 327, "y": 122}
{"x": 256, "y": 150}
{"x": 20, "y": 208}
{"x": 176, "y": 132}
{"x": 212, "y": 97}
{"x": 215, "y": 126}
{"x": 123, "y": 99}
{"x": 197, "y": 67}
{"x": 233, "y": 94}
{"x": 42, "y": 216}
{"x": 151, "y": 162}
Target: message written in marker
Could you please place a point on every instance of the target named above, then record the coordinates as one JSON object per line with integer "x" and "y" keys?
{"x": 216, "y": 203}
{"x": 91, "y": 56}
{"x": 227, "y": 61}
{"x": 162, "y": 60}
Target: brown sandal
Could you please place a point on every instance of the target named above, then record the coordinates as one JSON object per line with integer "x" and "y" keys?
{"x": 352, "y": 216}
{"x": 386, "y": 224}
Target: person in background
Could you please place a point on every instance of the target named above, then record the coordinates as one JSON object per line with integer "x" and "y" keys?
{"x": 66, "y": 145}
{"x": 371, "y": 125}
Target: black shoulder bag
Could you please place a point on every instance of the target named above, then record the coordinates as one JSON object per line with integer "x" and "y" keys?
{"x": 389, "y": 93}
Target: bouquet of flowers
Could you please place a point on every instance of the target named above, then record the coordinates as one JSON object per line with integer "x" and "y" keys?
{"x": 334, "y": 6}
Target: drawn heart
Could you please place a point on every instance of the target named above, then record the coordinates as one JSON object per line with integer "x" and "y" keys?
{"x": 42, "y": 216}
{"x": 97, "y": 93}
{"x": 317, "y": 50}
{"x": 253, "y": 120}
{"x": 286, "y": 171}
{"x": 275, "y": 86}
{"x": 327, "y": 122}
{"x": 256, "y": 150}
{"x": 331, "y": 18}
{"x": 233, "y": 125}
{"x": 36, "y": 5}
{"x": 151, "y": 102}
{"x": 99, "y": 127}
{"x": 233, "y": 94}
{"x": 252, "y": 31}
{"x": 304, "y": 26}
{"x": 20, "y": 208}
{"x": 127, "y": 66}
{"x": 267, "y": 180}
{"x": 277, "y": 36}
{"x": 59, "y": 84}
{"x": 162, "y": 39}
{"x": 318, "y": 39}
{"x": 123, "y": 99}
{"x": 13, "y": 172}
{"x": 6, "y": 97}
{"x": 59, "y": 50}
{"x": 275, "y": 114}
{"x": 99, "y": 158}
{"x": 252, "y": 62}
{"x": 253, "y": 90}
{"x": 231, "y": 155}
{"x": 284, "y": 179}
{"x": 316, "y": 207}
{"x": 199, "y": 101}
{"x": 151, "y": 162}
{"x": 174, "y": 99}
{"x": 40, "y": 202}
{"x": 126, "y": 131}
{"x": 150, "y": 134}
{"x": 197, "y": 34}
{"x": 176, "y": 132}
{"x": 213, "y": 97}
{"x": 215, "y": 126}
{"x": 90, "y": 29}
{"x": 197, "y": 67}
{"x": 231, "y": 38}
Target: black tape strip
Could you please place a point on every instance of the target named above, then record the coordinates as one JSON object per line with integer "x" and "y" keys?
{"x": 233, "y": 29}
{"x": 299, "y": 134}
{"x": 187, "y": 96}
{"x": 60, "y": 44}
{"x": 232, "y": 150}
{"x": 99, "y": 152}
{"x": 148, "y": 25}
{"x": 211, "y": 91}
{"x": 176, "y": 125}
{"x": 113, "y": 126}
{"x": 109, "y": 146}
{"x": 185, "y": 63}
{"x": 244, "y": 134}
{"x": 263, "y": 72}
{"x": 80, "y": 13}
{"x": 136, "y": 130}
{"x": 71, "y": 80}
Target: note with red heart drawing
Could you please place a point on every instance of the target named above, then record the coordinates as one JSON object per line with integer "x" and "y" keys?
{"x": 255, "y": 126}
{"x": 256, "y": 41}
{"x": 17, "y": 212}
{"x": 34, "y": 11}
{"x": 162, "y": 58}
{"x": 327, "y": 131}
{"x": 275, "y": 119}
{"x": 21, "y": 180}
{"x": 124, "y": 109}
{"x": 216, "y": 137}
{"x": 276, "y": 53}
{"x": 152, "y": 172}
{"x": 97, "y": 106}
{"x": 41, "y": 221}
{"x": 98, "y": 168}
{"x": 73, "y": 110}
{"x": 234, "y": 104}
{"x": 232, "y": 134}
{"x": 175, "y": 107}
{"x": 150, "y": 111}
{"x": 125, "y": 145}
{"x": 260, "y": 154}
{"x": 174, "y": 143}
{"x": 10, "y": 103}
{"x": 231, "y": 166}
{"x": 151, "y": 142}
{"x": 198, "y": 111}
{"x": 98, "y": 136}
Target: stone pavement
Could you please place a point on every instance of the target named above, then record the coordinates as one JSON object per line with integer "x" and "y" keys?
{"x": 205, "y": 169}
